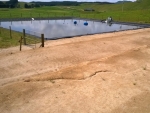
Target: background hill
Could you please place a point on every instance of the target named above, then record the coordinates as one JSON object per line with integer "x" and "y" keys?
{"x": 121, "y": 11}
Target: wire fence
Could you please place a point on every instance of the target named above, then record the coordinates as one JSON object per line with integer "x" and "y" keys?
{"x": 32, "y": 38}
{"x": 12, "y": 38}
{"x": 8, "y": 37}
{"x": 88, "y": 15}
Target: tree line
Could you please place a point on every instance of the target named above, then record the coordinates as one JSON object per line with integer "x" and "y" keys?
{"x": 14, "y": 4}
{"x": 59, "y": 3}
{"x": 9, "y": 4}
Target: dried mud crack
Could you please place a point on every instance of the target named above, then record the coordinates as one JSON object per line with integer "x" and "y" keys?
{"x": 81, "y": 77}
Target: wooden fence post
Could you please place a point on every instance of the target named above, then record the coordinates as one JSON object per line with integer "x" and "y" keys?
{"x": 42, "y": 39}
{"x": 24, "y": 34}
{"x": 10, "y": 31}
{"x": 20, "y": 43}
{"x": 0, "y": 27}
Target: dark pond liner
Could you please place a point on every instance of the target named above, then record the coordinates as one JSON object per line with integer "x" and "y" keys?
{"x": 139, "y": 25}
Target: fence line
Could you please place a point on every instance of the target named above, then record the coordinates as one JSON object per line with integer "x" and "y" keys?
{"x": 88, "y": 15}
{"x": 30, "y": 38}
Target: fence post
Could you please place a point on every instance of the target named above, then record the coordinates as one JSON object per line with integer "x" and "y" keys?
{"x": 10, "y": 31}
{"x": 24, "y": 34}
{"x": 0, "y": 27}
{"x": 21, "y": 15}
{"x": 42, "y": 39}
{"x": 20, "y": 43}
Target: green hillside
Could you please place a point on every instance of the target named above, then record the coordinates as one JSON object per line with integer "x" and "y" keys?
{"x": 128, "y": 6}
{"x": 128, "y": 11}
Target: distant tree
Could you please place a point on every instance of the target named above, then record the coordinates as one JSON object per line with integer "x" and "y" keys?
{"x": 25, "y": 5}
{"x": 36, "y": 5}
{"x": 2, "y": 5}
{"x": 32, "y": 5}
{"x": 13, "y": 1}
{"x": 18, "y": 6}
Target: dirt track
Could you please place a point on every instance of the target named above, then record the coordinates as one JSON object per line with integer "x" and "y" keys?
{"x": 107, "y": 73}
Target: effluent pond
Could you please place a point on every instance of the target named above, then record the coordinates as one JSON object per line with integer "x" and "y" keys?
{"x": 55, "y": 29}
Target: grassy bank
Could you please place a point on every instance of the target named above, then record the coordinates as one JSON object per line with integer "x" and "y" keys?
{"x": 7, "y": 40}
{"x": 118, "y": 14}
{"x": 127, "y": 12}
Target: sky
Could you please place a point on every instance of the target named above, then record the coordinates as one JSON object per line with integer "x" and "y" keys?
{"x": 74, "y": 0}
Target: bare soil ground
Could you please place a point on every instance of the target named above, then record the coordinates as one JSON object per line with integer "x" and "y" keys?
{"x": 103, "y": 73}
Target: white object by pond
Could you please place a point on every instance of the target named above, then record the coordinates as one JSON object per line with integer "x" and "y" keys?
{"x": 108, "y": 20}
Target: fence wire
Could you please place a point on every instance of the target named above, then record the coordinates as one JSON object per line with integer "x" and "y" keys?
{"x": 32, "y": 39}
{"x": 11, "y": 38}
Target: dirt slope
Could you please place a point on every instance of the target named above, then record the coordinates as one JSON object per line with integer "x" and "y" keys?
{"x": 107, "y": 73}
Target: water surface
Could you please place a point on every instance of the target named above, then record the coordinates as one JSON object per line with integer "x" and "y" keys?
{"x": 54, "y": 29}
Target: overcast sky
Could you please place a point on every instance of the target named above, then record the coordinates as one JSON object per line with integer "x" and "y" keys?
{"x": 74, "y": 0}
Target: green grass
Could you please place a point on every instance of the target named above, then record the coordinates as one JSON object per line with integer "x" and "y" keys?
{"x": 101, "y": 12}
{"x": 7, "y": 40}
